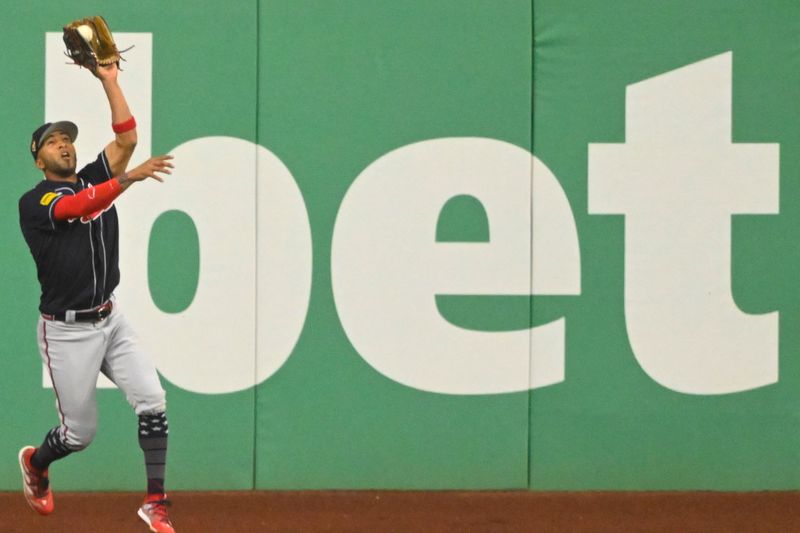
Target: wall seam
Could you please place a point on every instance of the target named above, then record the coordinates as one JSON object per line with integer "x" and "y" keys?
{"x": 529, "y": 458}
{"x": 255, "y": 233}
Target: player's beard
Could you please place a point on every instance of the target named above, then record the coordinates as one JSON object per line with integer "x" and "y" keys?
{"x": 61, "y": 168}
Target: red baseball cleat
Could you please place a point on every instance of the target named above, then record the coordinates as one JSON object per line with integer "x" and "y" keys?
{"x": 35, "y": 483}
{"x": 154, "y": 512}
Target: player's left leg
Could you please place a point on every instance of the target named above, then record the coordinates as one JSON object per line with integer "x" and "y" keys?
{"x": 133, "y": 371}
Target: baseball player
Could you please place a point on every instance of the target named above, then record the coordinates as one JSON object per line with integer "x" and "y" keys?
{"x": 70, "y": 225}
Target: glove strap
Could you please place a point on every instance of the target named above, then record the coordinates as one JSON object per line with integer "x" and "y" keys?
{"x": 122, "y": 127}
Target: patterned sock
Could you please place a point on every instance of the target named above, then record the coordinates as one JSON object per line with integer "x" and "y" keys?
{"x": 53, "y": 448}
{"x": 153, "y": 431}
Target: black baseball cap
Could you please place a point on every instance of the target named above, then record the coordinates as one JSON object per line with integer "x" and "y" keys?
{"x": 44, "y": 131}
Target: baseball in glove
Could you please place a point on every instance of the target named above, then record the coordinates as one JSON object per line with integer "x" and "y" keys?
{"x": 90, "y": 43}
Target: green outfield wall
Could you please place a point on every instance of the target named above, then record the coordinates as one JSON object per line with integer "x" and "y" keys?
{"x": 439, "y": 244}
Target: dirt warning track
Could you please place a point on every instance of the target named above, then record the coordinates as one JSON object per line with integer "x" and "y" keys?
{"x": 397, "y": 511}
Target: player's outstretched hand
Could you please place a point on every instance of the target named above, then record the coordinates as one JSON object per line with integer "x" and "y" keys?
{"x": 160, "y": 164}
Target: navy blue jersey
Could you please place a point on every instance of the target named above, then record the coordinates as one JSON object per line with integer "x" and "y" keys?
{"x": 77, "y": 260}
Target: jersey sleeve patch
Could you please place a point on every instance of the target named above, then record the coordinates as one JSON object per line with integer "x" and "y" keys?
{"x": 48, "y": 198}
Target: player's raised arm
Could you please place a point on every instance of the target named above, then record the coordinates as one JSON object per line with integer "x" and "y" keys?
{"x": 90, "y": 44}
{"x": 118, "y": 151}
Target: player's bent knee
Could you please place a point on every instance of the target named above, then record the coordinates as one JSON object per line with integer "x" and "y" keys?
{"x": 80, "y": 438}
{"x": 152, "y": 404}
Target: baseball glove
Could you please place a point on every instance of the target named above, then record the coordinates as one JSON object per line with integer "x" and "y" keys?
{"x": 90, "y": 43}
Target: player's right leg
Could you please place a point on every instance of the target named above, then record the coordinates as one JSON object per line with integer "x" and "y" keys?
{"x": 72, "y": 355}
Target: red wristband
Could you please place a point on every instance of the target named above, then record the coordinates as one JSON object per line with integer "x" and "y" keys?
{"x": 122, "y": 127}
